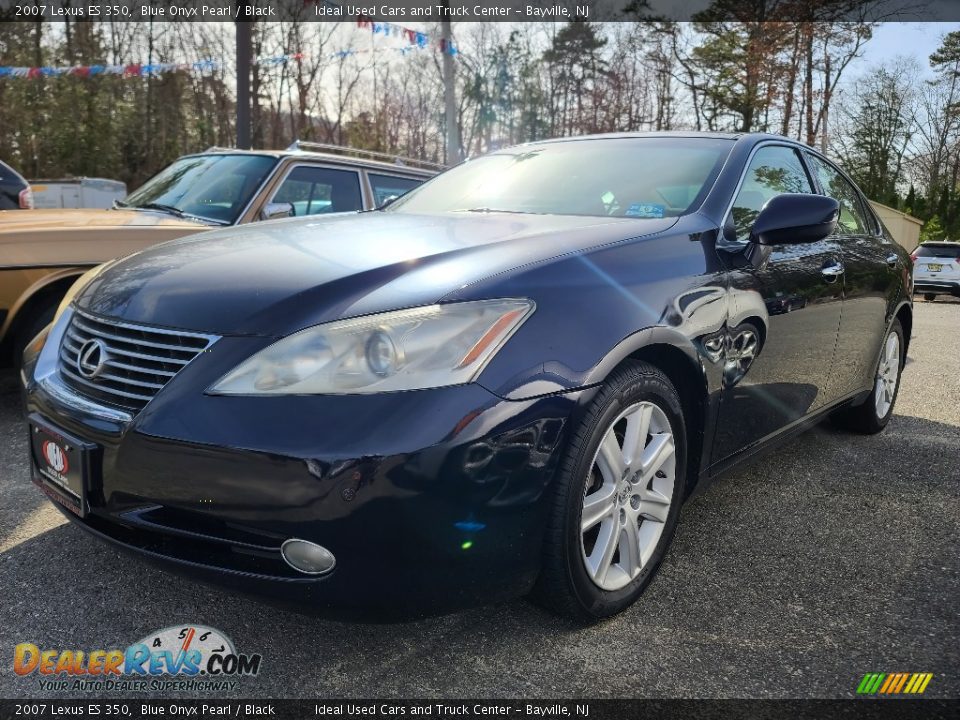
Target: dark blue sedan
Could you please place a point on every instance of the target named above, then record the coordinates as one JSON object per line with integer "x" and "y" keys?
{"x": 504, "y": 383}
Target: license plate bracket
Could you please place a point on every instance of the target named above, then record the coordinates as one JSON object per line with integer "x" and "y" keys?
{"x": 934, "y": 267}
{"x": 61, "y": 464}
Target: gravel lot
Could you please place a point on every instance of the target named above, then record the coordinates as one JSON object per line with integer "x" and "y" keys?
{"x": 833, "y": 557}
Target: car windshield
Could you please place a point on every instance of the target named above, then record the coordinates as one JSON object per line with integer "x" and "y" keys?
{"x": 210, "y": 187}
{"x": 621, "y": 177}
{"x": 942, "y": 250}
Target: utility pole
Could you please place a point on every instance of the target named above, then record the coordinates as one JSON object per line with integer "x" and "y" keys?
{"x": 453, "y": 154}
{"x": 244, "y": 58}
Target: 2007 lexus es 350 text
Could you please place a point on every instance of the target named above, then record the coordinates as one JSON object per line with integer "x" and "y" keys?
{"x": 503, "y": 383}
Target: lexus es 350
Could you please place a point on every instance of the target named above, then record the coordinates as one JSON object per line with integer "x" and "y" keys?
{"x": 504, "y": 383}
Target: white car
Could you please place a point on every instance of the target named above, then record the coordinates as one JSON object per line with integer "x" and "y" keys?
{"x": 936, "y": 269}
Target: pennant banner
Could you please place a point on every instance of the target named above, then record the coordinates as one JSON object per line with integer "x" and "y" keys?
{"x": 413, "y": 37}
{"x": 130, "y": 70}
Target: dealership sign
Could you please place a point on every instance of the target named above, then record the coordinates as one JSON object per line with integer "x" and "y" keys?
{"x": 179, "y": 657}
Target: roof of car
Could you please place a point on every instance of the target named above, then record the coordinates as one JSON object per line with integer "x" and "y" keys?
{"x": 9, "y": 170}
{"x": 658, "y": 133}
{"x": 692, "y": 134}
{"x": 340, "y": 156}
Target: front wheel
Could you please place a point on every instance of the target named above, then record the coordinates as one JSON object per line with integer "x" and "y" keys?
{"x": 33, "y": 325}
{"x": 618, "y": 497}
{"x": 874, "y": 413}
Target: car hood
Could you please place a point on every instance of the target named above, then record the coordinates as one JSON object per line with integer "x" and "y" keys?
{"x": 274, "y": 278}
{"x": 17, "y": 221}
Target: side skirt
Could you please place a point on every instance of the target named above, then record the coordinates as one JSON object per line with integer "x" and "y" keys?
{"x": 775, "y": 439}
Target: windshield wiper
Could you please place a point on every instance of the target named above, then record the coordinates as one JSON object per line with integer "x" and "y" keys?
{"x": 120, "y": 204}
{"x": 177, "y": 212}
{"x": 162, "y": 208}
{"x": 496, "y": 210}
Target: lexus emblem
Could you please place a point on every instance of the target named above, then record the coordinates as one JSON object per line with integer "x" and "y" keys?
{"x": 92, "y": 358}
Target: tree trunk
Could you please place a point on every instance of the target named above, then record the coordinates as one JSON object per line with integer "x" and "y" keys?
{"x": 791, "y": 82}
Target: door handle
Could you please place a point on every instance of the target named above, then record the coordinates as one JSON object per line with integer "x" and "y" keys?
{"x": 892, "y": 259}
{"x": 832, "y": 271}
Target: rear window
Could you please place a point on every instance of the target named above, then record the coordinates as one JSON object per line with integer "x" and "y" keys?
{"x": 941, "y": 250}
{"x": 651, "y": 177}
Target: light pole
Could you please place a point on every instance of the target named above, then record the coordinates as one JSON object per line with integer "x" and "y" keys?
{"x": 244, "y": 53}
{"x": 453, "y": 153}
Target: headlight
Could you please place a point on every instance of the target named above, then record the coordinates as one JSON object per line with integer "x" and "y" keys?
{"x": 424, "y": 347}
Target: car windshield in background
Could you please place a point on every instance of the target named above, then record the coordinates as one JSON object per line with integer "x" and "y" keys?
{"x": 938, "y": 250}
{"x": 621, "y": 177}
{"x": 390, "y": 187}
{"x": 211, "y": 187}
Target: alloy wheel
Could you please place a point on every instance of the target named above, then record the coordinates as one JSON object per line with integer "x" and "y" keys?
{"x": 627, "y": 496}
{"x": 888, "y": 374}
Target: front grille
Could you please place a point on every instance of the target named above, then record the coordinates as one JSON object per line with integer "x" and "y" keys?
{"x": 124, "y": 365}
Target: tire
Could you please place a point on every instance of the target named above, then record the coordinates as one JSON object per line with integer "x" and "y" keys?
{"x": 929, "y": 297}
{"x": 37, "y": 321}
{"x": 873, "y": 414}
{"x": 582, "y": 587}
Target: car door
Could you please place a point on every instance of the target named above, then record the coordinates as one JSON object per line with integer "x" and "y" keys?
{"x": 871, "y": 276}
{"x": 784, "y": 312}
{"x": 317, "y": 189}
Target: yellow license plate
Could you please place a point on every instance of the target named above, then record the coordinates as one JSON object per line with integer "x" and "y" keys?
{"x": 934, "y": 267}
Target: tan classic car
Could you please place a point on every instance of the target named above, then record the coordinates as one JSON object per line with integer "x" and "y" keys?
{"x": 42, "y": 252}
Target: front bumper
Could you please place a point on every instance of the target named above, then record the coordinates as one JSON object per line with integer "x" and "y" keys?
{"x": 431, "y": 501}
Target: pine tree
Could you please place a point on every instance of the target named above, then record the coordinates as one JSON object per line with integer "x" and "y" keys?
{"x": 932, "y": 230}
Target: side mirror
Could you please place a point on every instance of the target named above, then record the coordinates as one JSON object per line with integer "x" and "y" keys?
{"x": 273, "y": 211}
{"x": 795, "y": 218}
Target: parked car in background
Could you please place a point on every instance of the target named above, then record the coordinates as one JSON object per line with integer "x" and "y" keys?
{"x": 43, "y": 252}
{"x": 77, "y": 193}
{"x": 936, "y": 269}
{"x": 507, "y": 381}
{"x": 15, "y": 192}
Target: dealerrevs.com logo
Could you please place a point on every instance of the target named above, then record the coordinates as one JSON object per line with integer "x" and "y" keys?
{"x": 180, "y": 657}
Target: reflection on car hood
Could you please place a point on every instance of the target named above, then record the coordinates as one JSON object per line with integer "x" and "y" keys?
{"x": 40, "y": 220}
{"x": 274, "y": 278}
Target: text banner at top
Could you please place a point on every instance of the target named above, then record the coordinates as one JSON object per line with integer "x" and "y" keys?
{"x": 481, "y": 10}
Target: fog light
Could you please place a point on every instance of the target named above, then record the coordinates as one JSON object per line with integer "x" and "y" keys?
{"x": 307, "y": 557}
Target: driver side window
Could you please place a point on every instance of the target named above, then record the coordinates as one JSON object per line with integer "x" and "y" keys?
{"x": 315, "y": 190}
{"x": 774, "y": 170}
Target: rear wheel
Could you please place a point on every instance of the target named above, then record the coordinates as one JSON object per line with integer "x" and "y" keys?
{"x": 929, "y": 297}
{"x": 874, "y": 413}
{"x": 617, "y": 498}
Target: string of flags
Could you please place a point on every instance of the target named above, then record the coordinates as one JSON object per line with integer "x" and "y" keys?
{"x": 413, "y": 37}
{"x": 339, "y": 54}
{"x": 128, "y": 70}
